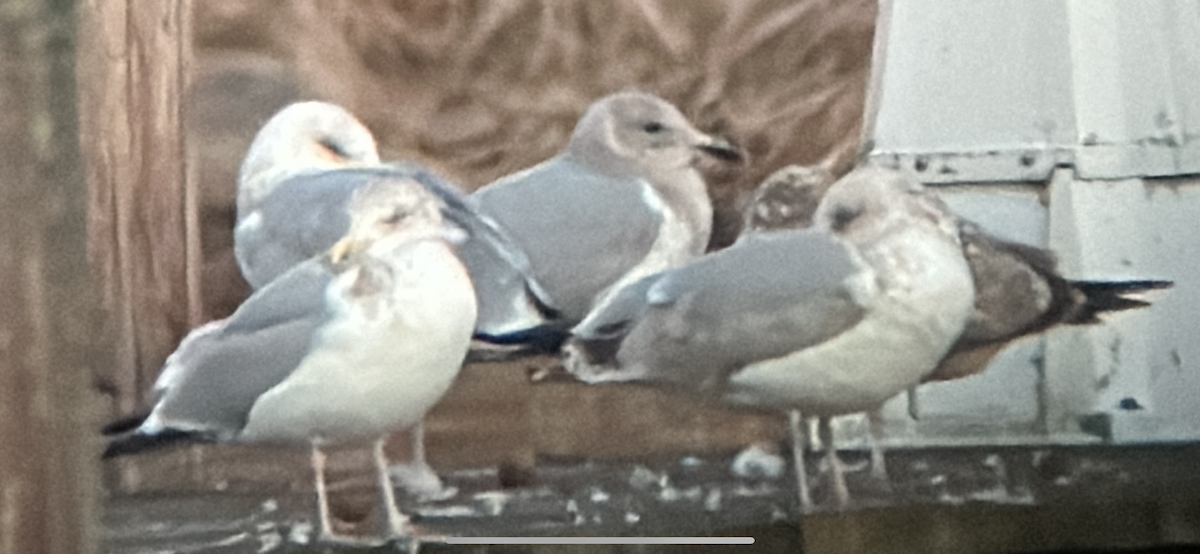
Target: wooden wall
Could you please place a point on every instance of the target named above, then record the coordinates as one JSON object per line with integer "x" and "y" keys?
{"x": 48, "y": 323}
{"x": 143, "y": 241}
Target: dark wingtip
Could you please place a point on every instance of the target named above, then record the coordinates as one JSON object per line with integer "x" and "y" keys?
{"x": 540, "y": 303}
{"x": 1127, "y": 287}
{"x": 600, "y": 351}
{"x": 125, "y": 424}
{"x": 134, "y": 443}
{"x": 542, "y": 339}
{"x": 1101, "y": 297}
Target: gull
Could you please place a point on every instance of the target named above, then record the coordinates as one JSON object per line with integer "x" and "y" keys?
{"x": 298, "y": 175}
{"x": 623, "y": 200}
{"x": 825, "y": 321}
{"x": 300, "y": 172}
{"x": 1018, "y": 289}
{"x": 346, "y": 347}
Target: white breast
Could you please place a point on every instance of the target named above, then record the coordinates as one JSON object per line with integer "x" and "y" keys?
{"x": 675, "y": 245}
{"x": 377, "y": 366}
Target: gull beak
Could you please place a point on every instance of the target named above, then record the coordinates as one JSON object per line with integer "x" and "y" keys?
{"x": 344, "y": 248}
{"x": 453, "y": 234}
{"x": 456, "y": 223}
{"x": 721, "y": 149}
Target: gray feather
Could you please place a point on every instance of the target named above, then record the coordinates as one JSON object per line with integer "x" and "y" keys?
{"x": 561, "y": 198}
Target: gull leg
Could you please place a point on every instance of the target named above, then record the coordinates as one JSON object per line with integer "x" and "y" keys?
{"x": 914, "y": 406}
{"x": 416, "y": 476}
{"x": 397, "y": 523}
{"x": 318, "y": 467}
{"x": 835, "y": 464}
{"x": 814, "y": 442}
{"x": 399, "y": 527}
{"x": 796, "y": 424}
{"x": 874, "y": 432}
{"x": 326, "y": 534}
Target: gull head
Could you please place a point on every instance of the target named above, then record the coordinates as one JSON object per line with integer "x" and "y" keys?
{"x": 786, "y": 199}
{"x": 634, "y": 133}
{"x": 389, "y": 213}
{"x": 870, "y": 203}
{"x": 300, "y": 138}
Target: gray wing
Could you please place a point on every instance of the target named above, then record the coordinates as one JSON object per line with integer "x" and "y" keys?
{"x": 765, "y": 297}
{"x": 307, "y": 214}
{"x": 302, "y": 217}
{"x": 219, "y": 375}
{"x": 509, "y": 297}
{"x": 580, "y": 230}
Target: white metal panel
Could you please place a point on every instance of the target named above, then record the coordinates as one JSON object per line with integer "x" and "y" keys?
{"x": 1098, "y": 100}
{"x": 992, "y": 90}
{"x": 1136, "y": 71}
{"x": 1139, "y": 373}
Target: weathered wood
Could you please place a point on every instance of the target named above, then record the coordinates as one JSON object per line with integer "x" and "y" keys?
{"x": 936, "y": 500}
{"x": 132, "y": 74}
{"x": 48, "y": 475}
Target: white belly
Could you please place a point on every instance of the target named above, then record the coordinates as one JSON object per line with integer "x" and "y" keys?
{"x": 373, "y": 371}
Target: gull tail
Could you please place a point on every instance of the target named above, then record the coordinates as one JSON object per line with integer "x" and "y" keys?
{"x": 139, "y": 441}
{"x": 1100, "y": 297}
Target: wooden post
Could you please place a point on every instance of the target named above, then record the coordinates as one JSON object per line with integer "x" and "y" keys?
{"x": 141, "y": 215}
{"x": 48, "y": 469}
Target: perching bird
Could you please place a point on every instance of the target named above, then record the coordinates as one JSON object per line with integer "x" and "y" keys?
{"x": 292, "y": 191}
{"x": 825, "y": 321}
{"x": 299, "y": 141}
{"x": 1019, "y": 292}
{"x": 348, "y": 346}
{"x": 296, "y": 180}
{"x": 622, "y": 201}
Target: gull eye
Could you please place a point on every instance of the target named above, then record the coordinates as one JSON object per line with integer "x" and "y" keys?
{"x": 395, "y": 217}
{"x": 843, "y": 216}
{"x": 652, "y": 127}
{"x": 333, "y": 147}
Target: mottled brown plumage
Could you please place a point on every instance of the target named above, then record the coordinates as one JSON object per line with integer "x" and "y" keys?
{"x": 1019, "y": 292}
{"x": 786, "y": 199}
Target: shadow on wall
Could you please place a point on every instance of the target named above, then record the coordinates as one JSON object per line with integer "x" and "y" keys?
{"x": 478, "y": 90}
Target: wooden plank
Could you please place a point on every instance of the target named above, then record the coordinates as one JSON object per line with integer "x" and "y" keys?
{"x": 48, "y": 474}
{"x": 132, "y": 74}
{"x": 993, "y": 499}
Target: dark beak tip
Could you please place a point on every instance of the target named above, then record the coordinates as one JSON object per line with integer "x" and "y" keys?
{"x": 724, "y": 151}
